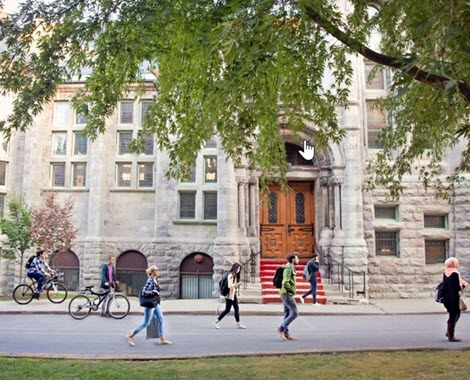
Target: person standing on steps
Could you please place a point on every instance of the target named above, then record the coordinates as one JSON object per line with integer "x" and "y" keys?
{"x": 287, "y": 293}
{"x": 151, "y": 287}
{"x": 452, "y": 285}
{"x": 234, "y": 282}
{"x": 313, "y": 266}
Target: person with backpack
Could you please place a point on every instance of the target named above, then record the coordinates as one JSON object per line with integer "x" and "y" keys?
{"x": 453, "y": 284}
{"x": 310, "y": 274}
{"x": 108, "y": 279}
{"x": 38, "y": 270}
{"x": 287, "y": 292}
{"x": 232, "y": 282}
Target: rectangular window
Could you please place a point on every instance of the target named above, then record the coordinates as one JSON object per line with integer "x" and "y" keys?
{"x": 386, "y": 243}
{"x": 127, "y": 112}
{"x": 61, "y": 116}
{"x": 375, "y": 123}
{"x": 59, "y": 143}
{"x": 386, "y": 212}
{"x": 436, "y": 251}
{"x": 80, "y": 145}
{"x": 435, "y": 221}
{"x": 123, "y": 170}
{"x": 124, "y": 139}
{"x": 192, "y": 175}
{"x": 58, "y": 174}
{"x": 210, "y": 206}
{"x": 378, "y": 81}
{"x": 2, "y": 205}
{"x": 3, "y": 173}
{"x": 146, "y": 174}
{"x": 80, "y": 118}
{"x": 187, "y": 205}
{"x": 145, "y": 109}
{"x": 210, "y": 169}
{"x": 79, "y": 174}
{"x": 149, "y": 145}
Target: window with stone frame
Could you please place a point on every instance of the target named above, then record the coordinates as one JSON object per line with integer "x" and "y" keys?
{"x": 436, "y": 221}
{"x": 436, "y": 251}
{"x": 201, "y": 185}
{"x": 376, "y": 122}
{"x": 2, "y": 204}
{"x": 69, "y": 148}
{"x": 387, "y": 243}
{"x": 187, "y": 204}
{"x": 388, "y": 212}
{"x": 134, "y": 171}
{"x": 379, "y": 79}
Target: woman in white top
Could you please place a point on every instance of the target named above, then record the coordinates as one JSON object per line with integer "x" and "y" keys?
{"x": 234, "y": 282}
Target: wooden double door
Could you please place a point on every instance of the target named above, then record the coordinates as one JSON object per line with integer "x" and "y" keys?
{"x": 287, "y": 221}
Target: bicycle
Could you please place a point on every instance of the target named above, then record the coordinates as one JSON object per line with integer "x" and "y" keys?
{"x": 81, "y": 306}
{"x": 56, "y": 291}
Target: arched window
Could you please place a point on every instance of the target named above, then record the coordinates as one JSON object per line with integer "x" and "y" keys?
{"x": 196, "y": 272}
{"x": 130, "y": 272}
{"x": 67, "y": 263}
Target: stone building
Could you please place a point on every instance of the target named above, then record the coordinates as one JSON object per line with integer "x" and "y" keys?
{"x": 193, "y": 230}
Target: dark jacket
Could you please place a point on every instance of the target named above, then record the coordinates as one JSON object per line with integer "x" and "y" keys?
{"x": 451, "y": 292}
{"x": 105, "y": 275}
{"x": 313, "y": 267}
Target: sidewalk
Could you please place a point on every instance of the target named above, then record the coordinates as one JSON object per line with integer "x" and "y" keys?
{"x": 213, "y": 306}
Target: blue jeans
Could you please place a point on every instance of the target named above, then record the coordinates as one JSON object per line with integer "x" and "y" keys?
{"x": 313, "y": 288}
{"x": 149, "y": 312}
{"x": 39, "y": 277}
{"x": 290, "y": 313}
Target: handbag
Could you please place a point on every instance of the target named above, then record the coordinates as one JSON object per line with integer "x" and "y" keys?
{"x": 462, "y": 303}
{"x": 152, "y": 329}
{"x": 149, "y": 301}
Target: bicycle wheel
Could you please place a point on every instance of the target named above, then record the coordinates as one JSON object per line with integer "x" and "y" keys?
{"x": 57, "y": 293}
{"x": 23, "y": 294}
{"x": 80, "y": 307}
{"x": 118, "y": 306}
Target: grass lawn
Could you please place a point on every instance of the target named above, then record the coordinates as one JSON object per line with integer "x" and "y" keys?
{"x": 370, "y": 365}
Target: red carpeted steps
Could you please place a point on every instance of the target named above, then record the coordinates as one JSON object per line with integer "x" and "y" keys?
{"x": 271, "y": 294}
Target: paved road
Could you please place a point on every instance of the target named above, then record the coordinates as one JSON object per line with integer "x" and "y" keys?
{"x": 194, "y": 335}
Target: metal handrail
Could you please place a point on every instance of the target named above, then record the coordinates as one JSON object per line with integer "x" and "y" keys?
{"x": 248, "y": 269}
{"x": 341, "y": 268}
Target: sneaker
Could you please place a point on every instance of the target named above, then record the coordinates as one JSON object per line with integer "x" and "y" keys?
{"x": 164, "y": 341}
{"x": 316, "y": 304}
{"x": 302, "y": 299}
{"x": 216, "y": 324}
{"x": 282, "y": 334}
{"x": 288, "y": 337}
{"x": 240, "y": 326}
{"x": 130, "y": 340}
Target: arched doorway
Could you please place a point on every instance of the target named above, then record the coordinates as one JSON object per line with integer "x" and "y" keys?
{"x": 130, "y": 272}
{"x": 196, "y": 272}
{"x": 67, "y": 262}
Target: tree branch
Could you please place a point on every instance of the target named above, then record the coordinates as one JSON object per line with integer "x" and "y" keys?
{"x": 418, "y": 74}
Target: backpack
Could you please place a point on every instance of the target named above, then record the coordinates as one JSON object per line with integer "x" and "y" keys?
{"x": 439, "y": 296}
{"x": 306, "y": 273}
{"x": 29, "y": 262}
{"x": 277, "y": 279}
{"x": 223, "y": 285}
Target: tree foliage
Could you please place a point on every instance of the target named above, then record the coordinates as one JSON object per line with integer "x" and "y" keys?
{"x": 16, "y": 226}
{"x": 235, "y": 66}
{"x": 52, "y": 228}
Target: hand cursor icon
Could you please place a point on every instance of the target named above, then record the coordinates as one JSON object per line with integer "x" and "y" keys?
{"x": 308, "y": 152}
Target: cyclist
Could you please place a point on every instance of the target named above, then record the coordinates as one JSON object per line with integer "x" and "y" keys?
{"x": 38, "y": 271}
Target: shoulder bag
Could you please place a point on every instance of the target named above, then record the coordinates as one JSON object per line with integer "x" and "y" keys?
{"x": 149, "y": 301}
{"x": 462, "y": 303}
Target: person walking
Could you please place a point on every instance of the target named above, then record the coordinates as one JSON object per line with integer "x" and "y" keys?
{"x": 151, "y": 287}
{"x": 453, "y": 283}
{"x": 108, "y": 279}
{"x": 312, "y": 268}
{"x": 233, "y": 281}
{"x": 287, "y": 293}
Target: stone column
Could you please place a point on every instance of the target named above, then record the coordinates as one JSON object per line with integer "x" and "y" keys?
{"x": 241, "y": 205}
{"x": 325, "y": 201}
{"x": 338, "y": 206}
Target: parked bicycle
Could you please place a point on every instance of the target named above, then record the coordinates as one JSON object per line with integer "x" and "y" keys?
{"x": 81, "y": 305}
{"x": 56, "y": 291}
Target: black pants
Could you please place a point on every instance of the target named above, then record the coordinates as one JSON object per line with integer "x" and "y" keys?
{"x": 454, "y": 316}
{"x": 228, "y": 306}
